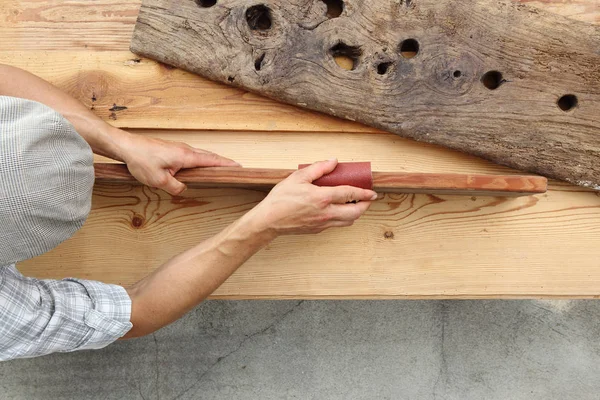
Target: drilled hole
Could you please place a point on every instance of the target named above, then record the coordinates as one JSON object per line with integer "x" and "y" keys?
{"x": 492, "y": 80}
{"x": 259, "y": 18}
{"x": 258, "y": 63}
{"x": 346, "y": 56}
{"x": 457, "y": 74}
{"x": 383, "y": 68}
{"x": 334, "y": 8}
{"x": 206, "y": 3}
{"x": 567, "y": 102}
{"x": 409, "y": 48}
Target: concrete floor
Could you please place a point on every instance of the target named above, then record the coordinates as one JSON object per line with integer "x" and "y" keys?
{"x": 337, "y": 350}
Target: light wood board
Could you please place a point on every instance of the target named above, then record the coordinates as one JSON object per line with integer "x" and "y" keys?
{"x": 450, "y": 247}
{"x": 160, "y": 97}
{"x": 406, "y": 245}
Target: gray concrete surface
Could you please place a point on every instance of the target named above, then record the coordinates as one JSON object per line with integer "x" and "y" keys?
{"x": 337, "y": 350}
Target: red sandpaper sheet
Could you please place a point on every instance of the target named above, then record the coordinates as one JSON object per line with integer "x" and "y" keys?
{"x": 357, "y": 174}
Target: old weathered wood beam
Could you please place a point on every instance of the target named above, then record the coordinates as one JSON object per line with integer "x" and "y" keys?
{"x": 497, "y": 79}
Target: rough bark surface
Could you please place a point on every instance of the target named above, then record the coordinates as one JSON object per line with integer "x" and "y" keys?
{"x": 489, "y": 77}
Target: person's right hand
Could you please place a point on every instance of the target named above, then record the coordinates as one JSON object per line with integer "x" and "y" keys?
{"x": 296, "y": 206}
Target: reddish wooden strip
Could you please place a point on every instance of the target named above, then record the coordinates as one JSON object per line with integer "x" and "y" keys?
{"x": 384, "y": 182}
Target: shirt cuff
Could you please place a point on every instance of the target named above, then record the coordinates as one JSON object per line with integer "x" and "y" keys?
{"x": 110, "y": 315}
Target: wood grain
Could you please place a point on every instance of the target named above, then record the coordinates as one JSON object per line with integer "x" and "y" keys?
{"x": 106, "y": 25}
{"x": 405, "y": 246}
{"x": 439, "y": 96}
{"x": 383, "y": 182}
{"x": 160, "y": 97}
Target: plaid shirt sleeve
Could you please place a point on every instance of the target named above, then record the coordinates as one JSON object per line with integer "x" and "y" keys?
{"x": 46, "y": 178}
{"x": 39, "y": 317}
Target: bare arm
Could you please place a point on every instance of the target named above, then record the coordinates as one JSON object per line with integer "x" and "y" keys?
{"x": 151, "y": 161}
{"x": 102, "y": 137}
{"x": 294, "y": 206}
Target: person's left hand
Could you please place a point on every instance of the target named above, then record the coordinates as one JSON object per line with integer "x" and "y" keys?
{"x": 154, "y": 162}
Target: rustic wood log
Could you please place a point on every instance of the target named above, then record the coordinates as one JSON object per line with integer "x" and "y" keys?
{"x": 383, "y": 182}
{"x": 497, "y": 79}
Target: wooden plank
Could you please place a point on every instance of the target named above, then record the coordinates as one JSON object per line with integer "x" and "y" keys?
{"x": 106, "y": 25}
{"x": 405, "y": 246}
{"x": 497, "y": 79}
{"x": 160, "y": 97}
{"x": 383, "y": 182}
{"x": 97, "y": 25}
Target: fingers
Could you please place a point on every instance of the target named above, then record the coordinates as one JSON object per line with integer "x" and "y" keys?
{"x": 347, "y": 194}
{"x": 348, "y": 212}
{"x": 171, "y": 185}
{"x": 315, "y": 171}
{"x": 201, "y": 158}
{"x": 339, "y": 224}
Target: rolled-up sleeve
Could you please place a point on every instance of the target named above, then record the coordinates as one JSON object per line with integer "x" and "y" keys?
{"x": 39, "y": 317}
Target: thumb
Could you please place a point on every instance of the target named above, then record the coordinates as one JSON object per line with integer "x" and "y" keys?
{"x": 172, "y": 185}
{"x": 316, "y": 170}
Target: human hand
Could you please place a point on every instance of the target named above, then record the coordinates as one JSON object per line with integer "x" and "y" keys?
{"x": 296, "y": 206}
{"x": 154, "y": 162}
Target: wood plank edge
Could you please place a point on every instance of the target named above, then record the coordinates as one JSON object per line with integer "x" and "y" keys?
{"x": 495, "y": 296}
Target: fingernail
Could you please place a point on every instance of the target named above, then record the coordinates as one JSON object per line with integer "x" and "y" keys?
{"x": 374, "y": 197}
{"x": 333, "y": 159}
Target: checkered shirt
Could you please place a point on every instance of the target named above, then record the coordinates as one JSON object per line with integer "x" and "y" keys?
{"x": 46, "y": 179}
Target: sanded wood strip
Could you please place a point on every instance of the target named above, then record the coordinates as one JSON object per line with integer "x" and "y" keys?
{"x": 383, "y": 182}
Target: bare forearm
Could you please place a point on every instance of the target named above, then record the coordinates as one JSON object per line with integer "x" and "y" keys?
{"x": 102, "y": 137}
{"x": 186, "y": 280}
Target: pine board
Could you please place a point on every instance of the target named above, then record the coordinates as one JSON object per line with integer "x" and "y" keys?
{"x": 405, "y": 246}
{"x": 157, "y": 96}
{"x": 442, "y": 246}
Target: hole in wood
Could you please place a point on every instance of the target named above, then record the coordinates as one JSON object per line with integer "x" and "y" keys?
{"x": 259, "y": 18}
{"x": 346, "y": 56}
{"x": 492, "y": 80}
{"x": 334, "y": 8}
{"x": 383, "y": 68}
{"x": 206, "y": 3}
{"x": 567, "y": 102}
{"x": 258, "y": 63}
{"x": 457, "y": 74}
{"x": 409, "y": 48}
